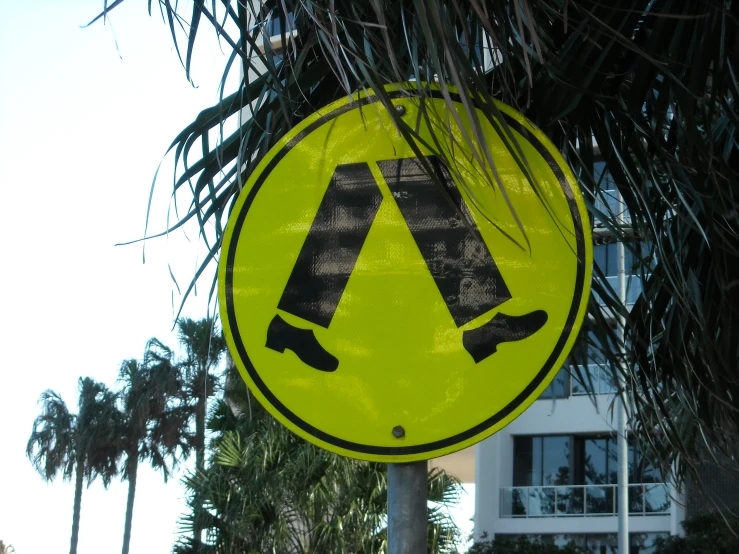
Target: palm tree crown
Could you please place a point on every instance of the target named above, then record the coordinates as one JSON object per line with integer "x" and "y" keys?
{"x": 267, "y": 490}
{"x": 204, "y": 346}
{"x": 155, "y": 419}
{"x": 86, "y": 445}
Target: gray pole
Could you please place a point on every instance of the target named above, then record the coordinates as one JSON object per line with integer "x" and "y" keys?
{"x": 623, "y": 445}
{"x": 407, "y": 495}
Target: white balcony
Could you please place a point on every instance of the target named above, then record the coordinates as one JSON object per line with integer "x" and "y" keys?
{"x": 645, "y": 499}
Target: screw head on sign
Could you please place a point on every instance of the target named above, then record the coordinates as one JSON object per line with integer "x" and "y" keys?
{"x": 398, "y": 432}
{"x": 400, "y": 109}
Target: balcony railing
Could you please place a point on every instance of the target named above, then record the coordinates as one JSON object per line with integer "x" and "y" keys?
{"x": 597, "y": 379}
{"x": 633, "y": 288}
{"x": 583, "y": 500}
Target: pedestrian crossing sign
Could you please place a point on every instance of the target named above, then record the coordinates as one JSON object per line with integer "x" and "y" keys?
{"x": 398, "y": 303}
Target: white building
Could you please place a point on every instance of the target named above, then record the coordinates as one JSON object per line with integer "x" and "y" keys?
{"x": 552, "y": 472}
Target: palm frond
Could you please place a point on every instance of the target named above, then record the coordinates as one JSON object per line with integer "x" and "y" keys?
{"x": 648, "y": 87}
{"x": 265, "y": 490}
{"x": 51, "y": 447}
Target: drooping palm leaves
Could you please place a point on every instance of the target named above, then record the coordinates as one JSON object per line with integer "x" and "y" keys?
{"x": 85, "y": 445}
{"x": 267, "y": 490}
{"x": 155, "y": 425}
{"x": 649, "y": 87}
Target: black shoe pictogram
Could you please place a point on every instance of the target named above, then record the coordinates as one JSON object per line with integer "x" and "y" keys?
{"x": 483, "y": 341}
{"x": 282, "y": 335}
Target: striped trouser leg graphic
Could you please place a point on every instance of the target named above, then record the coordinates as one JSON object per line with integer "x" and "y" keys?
{"x": 457, "y": 257}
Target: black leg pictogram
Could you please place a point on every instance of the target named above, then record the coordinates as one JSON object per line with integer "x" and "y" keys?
{"x": 281, "y": 336}
{"x": 325, "y": 263}
{"x": 456, "y": 254}
{"x": 483, "y": 341}
{"x": 446, "y": 235}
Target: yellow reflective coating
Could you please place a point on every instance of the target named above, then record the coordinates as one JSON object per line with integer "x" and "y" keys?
{"x": 387, "y": 307}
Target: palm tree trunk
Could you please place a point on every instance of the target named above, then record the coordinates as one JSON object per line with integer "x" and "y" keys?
{"x": 200, "y": 433}
{"x": 199, "y": 462}
{"x": 133, "y": 467}
{"x": 79, "y": 478}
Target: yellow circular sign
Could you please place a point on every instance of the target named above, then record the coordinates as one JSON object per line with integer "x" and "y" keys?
{"x": 388, "y": 307}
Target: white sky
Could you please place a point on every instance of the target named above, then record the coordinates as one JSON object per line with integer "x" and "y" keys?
{"x": 81, "y": 134}
{"x": 82, "y": 131}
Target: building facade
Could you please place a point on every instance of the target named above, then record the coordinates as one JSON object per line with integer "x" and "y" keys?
{"x": 553, "y": 471}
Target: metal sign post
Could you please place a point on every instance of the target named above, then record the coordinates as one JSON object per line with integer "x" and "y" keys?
{"x": 407, "y": 495}
{"x": 623, "y": 444}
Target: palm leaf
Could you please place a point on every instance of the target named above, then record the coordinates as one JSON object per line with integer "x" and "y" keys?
{"x": 649, "y": 87}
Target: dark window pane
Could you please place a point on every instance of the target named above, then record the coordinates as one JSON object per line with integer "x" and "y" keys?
{"x": 578, "y": 388}
{"x": 613, "y": 460}
{"x": 576, "y": 504}
{"x": 478, "y": 46}
{"x": 601, "y": 544}
{"x": 545, "y": 497}
{"x": 635, "y": 469}
{"x": 607, "y": 382}
{"x": 598, "y": 170}
{"x": 537, "y": 457}
{"x": 275, "y": 25}
{"x": 599, "y": 255}
{"x": 629, "y": 259}
{"x": 641, "y": 469}
{"x": 634, "y": 287}
{"x": 612, "y": 260}
{"x": 636, "y": 499}
{"x": 651, "y": 473}
{"x": 522, "y": 461}
{"x": 644, "y": 543}
{"x": 519, "y": 502}
{"x": 596, "y": 461}
{"x": 656, "y": 499}
{"x": 599, "y": 499}
{"x": 556, "y": 465}
{"x": 595, "y": 350}
{"x": 559, "y": 387}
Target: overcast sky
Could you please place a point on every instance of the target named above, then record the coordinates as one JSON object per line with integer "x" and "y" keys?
{"x": 83, "y": 126}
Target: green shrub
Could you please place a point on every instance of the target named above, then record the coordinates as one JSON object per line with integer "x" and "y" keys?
{"x": 709, "y": 534}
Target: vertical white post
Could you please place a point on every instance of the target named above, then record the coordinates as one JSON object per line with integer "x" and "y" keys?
{"x": 623, "y": 445}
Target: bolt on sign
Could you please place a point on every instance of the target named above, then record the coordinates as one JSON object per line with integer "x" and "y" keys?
{"x": 388, "y": 307}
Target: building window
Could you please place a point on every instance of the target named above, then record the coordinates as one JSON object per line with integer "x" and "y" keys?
{"x": 576, "y": 475}
{"x": 605, "y": 257}
{"x": 552, "y": 460}
{"x": 592, "y": 374}
{"x": 638, "y": 261}
{"x": 277, "y": 32}
{"x": 586, "y": 372}
{"x": 541, "y": 461}
{"x": 640, "y": 543}
{"x": 559, "y": 387}
{"x": 276, "y": 26}
{"x": 608, "y": 200}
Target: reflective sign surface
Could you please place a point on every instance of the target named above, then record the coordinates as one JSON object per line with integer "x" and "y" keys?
{"x": 387, "y": 307}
